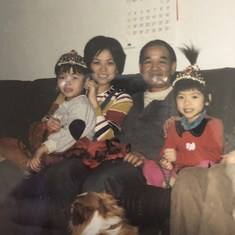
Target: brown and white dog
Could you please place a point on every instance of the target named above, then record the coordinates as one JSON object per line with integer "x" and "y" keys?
{"x": 99, "y": 214}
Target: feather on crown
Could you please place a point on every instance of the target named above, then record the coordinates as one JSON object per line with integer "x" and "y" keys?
{"x": 191, "y": 72}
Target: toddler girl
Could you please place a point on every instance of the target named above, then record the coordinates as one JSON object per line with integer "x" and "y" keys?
{"x": 74, "y": 120}
{"x": 76, "y": 114}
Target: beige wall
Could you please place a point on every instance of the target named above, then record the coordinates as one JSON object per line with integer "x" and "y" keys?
{"x": 35, "y": 33}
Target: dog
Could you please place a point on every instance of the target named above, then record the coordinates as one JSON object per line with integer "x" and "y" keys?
{"x": 99, "y": 214}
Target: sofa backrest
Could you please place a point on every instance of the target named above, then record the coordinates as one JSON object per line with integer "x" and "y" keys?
{"x": 22, "y": 102}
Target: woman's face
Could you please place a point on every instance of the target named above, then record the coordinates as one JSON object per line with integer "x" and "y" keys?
{"x": 103, "y": 68}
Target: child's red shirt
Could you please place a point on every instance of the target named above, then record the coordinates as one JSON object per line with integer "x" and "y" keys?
{"x": 204, "y": 142}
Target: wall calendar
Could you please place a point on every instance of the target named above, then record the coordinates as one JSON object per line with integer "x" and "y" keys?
{"x": 145, "y": 20}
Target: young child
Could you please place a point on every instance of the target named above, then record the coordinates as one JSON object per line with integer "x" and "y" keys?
{"x": 73, "y": 120}
{"x": 196, "y": 140}
{"x": 76, "y": 114}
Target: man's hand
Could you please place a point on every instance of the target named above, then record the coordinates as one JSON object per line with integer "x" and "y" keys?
{"x": 135, "y": 158}
{"x": 169, "y": 122}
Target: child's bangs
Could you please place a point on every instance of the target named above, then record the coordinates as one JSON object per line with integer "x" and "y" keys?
{"x": 65, "y": 68}
{"x": 187, "y": 85}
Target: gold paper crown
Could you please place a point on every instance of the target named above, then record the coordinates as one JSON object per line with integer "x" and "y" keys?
{"x": 71, "y": 58}
{"x": 191, "y": 72}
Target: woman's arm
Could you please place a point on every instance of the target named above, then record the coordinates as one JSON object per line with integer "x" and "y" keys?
{"x": 52, "y": 123}
{"x": 110, "y": 120}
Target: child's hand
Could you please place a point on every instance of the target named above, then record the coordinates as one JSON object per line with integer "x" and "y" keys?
{"x": 93, "y": 91}
{"x": 166, "y": 164}
{"x": 54, "y": 124}
{"x": 35, "y": 162}
{"x": 169, "y": 122}
{"x": 170, "y": 154}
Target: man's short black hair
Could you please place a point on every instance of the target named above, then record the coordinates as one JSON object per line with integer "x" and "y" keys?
{"x": 158, "y": 42}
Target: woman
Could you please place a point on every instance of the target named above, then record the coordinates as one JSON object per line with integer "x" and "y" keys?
{"x": 105, "y": 59}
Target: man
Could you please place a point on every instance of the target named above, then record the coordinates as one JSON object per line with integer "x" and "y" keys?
{"x": 143, "y": 126}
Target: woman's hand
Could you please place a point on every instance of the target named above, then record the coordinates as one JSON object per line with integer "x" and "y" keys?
{"x": 53, "y": 124}
{"x": 135, "y": 158}
{"x": 92, "y": 86}
{"x": 169, "y": 122}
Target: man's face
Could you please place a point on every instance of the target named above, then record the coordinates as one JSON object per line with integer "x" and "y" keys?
{"x": 157, "y": 68}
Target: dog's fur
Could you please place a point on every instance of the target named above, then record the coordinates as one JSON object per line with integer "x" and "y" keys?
{"x": 99, "y": 214}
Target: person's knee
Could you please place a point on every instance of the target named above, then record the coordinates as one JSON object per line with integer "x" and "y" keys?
{"x": 113, "y": 178}
{"x": 56, "y": 174}
{"x": 98, "y": 183}
{"x": 63, "y": 168}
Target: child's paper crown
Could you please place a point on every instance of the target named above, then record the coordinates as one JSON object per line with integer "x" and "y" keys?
{"x": 191, "y": 72}
{"x": 71, "y": 58}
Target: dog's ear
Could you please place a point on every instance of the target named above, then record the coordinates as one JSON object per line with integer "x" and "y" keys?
{"x": 108, "y": 205}
{"x": 106, "y": 195}
{"x": 108, "y": 198}
{"x": 89, "y": 211}
{"x": 78, "y": 214}
{"x": 81, "y": 213}
{"x": 102, "y": 207}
